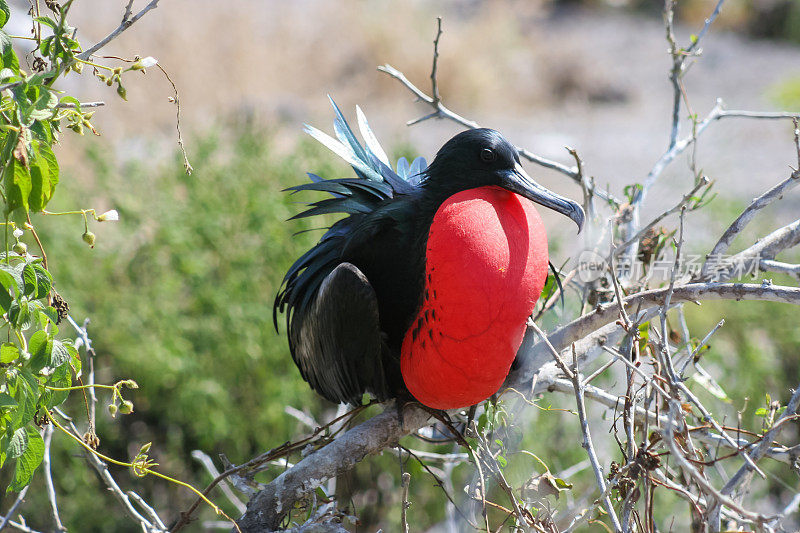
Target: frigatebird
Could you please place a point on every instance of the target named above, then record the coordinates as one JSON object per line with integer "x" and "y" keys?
{"x": 425, "y": 286}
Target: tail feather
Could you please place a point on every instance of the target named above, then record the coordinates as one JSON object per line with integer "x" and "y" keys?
{"x": 374, "y": 184}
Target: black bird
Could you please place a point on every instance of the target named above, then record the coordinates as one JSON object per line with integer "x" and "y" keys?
{"x": 426, "y": 284}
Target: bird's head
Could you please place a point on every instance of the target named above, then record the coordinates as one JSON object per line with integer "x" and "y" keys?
{"x": 483, "y": 157}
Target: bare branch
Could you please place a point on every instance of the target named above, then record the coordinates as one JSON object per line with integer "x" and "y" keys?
{"x": 764, "y": 249}
{"x": 156, "y": 526}
{"x": 587, "y": 436}
{"x": 127, "y": 22}
{"x": 697, "y": 477}
{"x": 404, "y": 487}
{"x": 440, "y": 111}
{"x": 11, "y": 510}
{"x": 48, "y": 478}
{"x": 769, "y": 265}
{"x": 82, "y": 105}
{"x": 208, "y": 464}
{"x": 680, "y": 205}
{"x": 736, "y": 227}
{"x": 612, "y": 401}
{"x": 265, "y": 510}
{"x": 742, "y": 477}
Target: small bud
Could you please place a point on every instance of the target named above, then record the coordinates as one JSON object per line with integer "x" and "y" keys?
{"x": 118, "y": 71}
{"x": 109, "y": 216}
{"x": 88, "y": 238}
{"x": 112, "y": 408}
{"x": 77, "y": 67}
{"x": 130, "y": 384}
{"x": 77, "y": 128}
{"x": 88, "y": 116}
{"x": 145, "y": 448}
{"x": 17, "y": 233}
{"x": 147, "y": 62}
{"x": 109, "y": 82}
{"x": 126, "y": 408}
{"x": 20, "y": 247}
{"x": 122, "y": 92}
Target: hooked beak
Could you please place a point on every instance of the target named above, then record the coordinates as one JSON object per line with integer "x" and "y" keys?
{"x": 518, "y": 181}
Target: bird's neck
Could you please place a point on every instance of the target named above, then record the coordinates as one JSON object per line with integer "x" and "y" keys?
{"x": 486, "y": 263}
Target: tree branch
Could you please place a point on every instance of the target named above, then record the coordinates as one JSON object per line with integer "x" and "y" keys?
{"x": 266, "y": 509}
{"x": 127, "y": 22}
{"x": 738, "y": 225}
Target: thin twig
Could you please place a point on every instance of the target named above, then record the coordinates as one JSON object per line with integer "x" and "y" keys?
{"x": 769, "y": 265}
{"x": 738, "y": 225}
{"x": 704, "y": 342}
{"x": 102, "y": 470}
{"x": 186, "y": 165}
{"x": 404, "y": 505}
{"x": 48, "y": 478}
{"x": 688, "y": 197}
{"x": 208, "y": 464}
{"x": 434, "y": 81}
{"x": 742, "y": 477}
{"x": 82, "y": 105}
{"x": 611, "y": 401}
{"x": 13, "y": 508}
{"x": 587, "y": 445}
{"x": 697, "y": 477}
{"x": 127, "y": 22}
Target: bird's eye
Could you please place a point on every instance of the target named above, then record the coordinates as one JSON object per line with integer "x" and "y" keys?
{"x": 488, "y": 155}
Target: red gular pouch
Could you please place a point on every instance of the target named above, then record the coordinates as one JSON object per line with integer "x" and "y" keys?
{"x": 486, "y": 264}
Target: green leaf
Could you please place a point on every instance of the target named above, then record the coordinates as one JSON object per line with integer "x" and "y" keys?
{"x": 502, "y": 461}
{"x": 5, "y": 41}
{"x": 8, "y": 282}
{"x": 18, "y": 444}
{"x": 74, "y": 359}
{"x": 41, "y": 349}
{"x": 44, "y": 175}
{"x": 49, "y": 315}
{"x": 43, "y": 106}
{"x": 18, "y": 185}
{"x": 9, "y": 58}
{"x": 41, "y": 130}
{"x": 5, "y": 13}
{"x": 37, "y": 280}
{"x": 72, "y": 101}
{"x": 59, "y": 355}
{"x": 29, "y": 279}
{"x": 8, "y": 353}
{"x": 61, "y": 378}
{"x": 561, "y": 484}
{"x": 761, "y": 411}
{"x": 25, "y": 390}
{"x": 47, "y": 21}
{"x": 7, "y": 401}
{"x": 28, "y": 462}
{"x": 45, "y": 46}
{"x": 19, "y": 314}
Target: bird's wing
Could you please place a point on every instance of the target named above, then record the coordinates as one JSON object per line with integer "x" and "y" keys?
{"x": 342, "y": 366}
{"x": 337, "y": 343}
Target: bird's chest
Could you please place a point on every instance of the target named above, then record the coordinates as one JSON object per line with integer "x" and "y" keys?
{"x": 486, "y": 263}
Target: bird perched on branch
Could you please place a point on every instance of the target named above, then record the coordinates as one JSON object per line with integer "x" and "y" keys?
{"x": 426, "y": 284}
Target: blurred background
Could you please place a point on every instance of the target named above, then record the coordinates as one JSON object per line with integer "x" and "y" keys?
{"x": 180, "y": 291}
